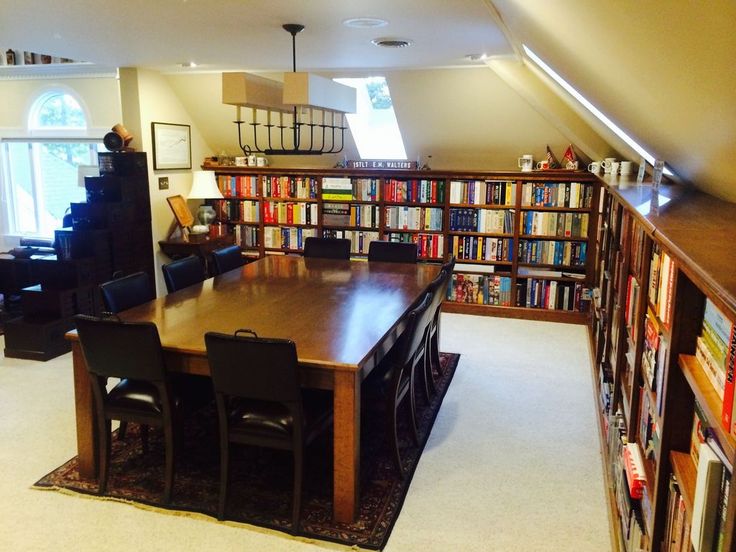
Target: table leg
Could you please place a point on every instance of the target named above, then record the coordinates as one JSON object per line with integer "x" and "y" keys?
{"x": 347, "y": 445}
{"x": 84, "y": 408}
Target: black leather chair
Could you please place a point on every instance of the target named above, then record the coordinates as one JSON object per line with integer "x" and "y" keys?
{"x": 397, "y": 370}
{"x": 183, "y": 273}
{"x": 132, "y": 352}
{"x": 438, "y": 289}
{"x": 259, "y": 402}
{"x": 327, "y": 248}
{"x": 392, "y": 252}
{"x": 127, "y": 292}
{"x": 227, "y": 258}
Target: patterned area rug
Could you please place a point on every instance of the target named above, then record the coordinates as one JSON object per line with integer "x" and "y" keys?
{"x": 261, "y": 480}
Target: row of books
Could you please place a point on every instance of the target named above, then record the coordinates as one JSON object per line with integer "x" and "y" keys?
{"x": 478, "y": 248}
{"x": 350, "y": 189}
{"x": 413, "y": 218}
{"x": 238, "y": 186}
{"x": 716, "y": 351}
{"x": 552, "y": 252}
{"x": 712, "y": 486}
{"x": 234, "y": 210}
{"x": 488, "y": 221}
{"x": 430, "y": 246}
{"x": 649, "y": 434}
{"x": 573, "y": 195}
{"x": 414, "y": 191}
{"x": 535, "y": 293}
{"x": 480, "y": 289}
{"x": 661, "y": 284}
{"x": 297, "y": 187}
{"x": 631, "y": 315}
{"x": 345, "y": 214}
{"x": 653, "y": 358}
{"x": 677, "y": 526}
{"x": 246, "y": 236}
{"x": 279, "y": 212}
{"x": 482, "y": 192}
{"x": 359, "y": 240}
{"x": 286, "y": 238}
{"x": 547, "y": 223}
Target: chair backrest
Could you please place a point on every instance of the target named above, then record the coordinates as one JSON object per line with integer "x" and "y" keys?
{"x": 449, "y": 266}
{"x": 253, "y": 367}
{"x": 183, "y": 273}
{"x": 227, "y": 258}
{"x": 438, "y": 289}
{"x": 113, "y": 348}
{"x": 327, "y": 248}
{"x": 127, "y": 292}
{"x": 417, "y": 322}
{"x": 392, "y": 252}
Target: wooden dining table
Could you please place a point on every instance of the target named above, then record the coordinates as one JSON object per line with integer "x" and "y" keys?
{"x": 343, "y": 316}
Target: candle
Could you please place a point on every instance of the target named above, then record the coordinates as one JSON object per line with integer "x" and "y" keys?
{"x": 311, "y": 116}
{"x": 268, "y": 117}
{"x": 239, "y": 118}
{"x": 255, "y": 120}
{"x": 281, "y": 118}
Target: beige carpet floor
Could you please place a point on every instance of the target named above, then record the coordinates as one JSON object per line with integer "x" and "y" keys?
{"x": 513, "y": 462}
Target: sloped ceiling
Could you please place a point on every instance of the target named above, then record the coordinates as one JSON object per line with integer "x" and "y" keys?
{"x": 663, "y": 70}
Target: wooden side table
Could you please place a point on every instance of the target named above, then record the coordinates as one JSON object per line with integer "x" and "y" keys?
{"x": 203, "y": 248}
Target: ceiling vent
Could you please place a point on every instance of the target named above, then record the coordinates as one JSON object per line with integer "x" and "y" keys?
{"x": 392, "y": 42}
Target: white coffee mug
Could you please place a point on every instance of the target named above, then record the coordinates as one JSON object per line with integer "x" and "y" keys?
{"x": 606, "y": 164}
{"x": 614, "y": 168}
{"x": 251, "y": 160}
{"x": 526, "y": 162}
{"x": 626, "y": 168}
{"x": 543, "y": 165}
{"x": 595, "y": 167}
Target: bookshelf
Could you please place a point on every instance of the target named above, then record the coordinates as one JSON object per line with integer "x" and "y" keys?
{"x": 485, "y": 219}
{"x": 659, "y": 273}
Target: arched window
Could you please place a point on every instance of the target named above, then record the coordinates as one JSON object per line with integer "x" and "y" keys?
{"x": 43, "y": 172}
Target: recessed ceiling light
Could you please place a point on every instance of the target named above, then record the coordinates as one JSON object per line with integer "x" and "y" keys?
{"x": 365, "y": 22}
{"x": 188, "y": 64}
{"x": 476, "y": 57}
{"x": 390, "y": 42}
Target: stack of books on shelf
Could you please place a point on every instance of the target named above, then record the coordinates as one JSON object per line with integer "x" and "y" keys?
{"x": 560, "y": 225}
{"x": 677, "y": 529}
{"x": 573, "y": 195}
{"x": 413, "y": 218}
{"x": 297, "y": 187}
{"x": 246, "y": 236}
{"x": 550, "y": 294}
{"x": 279, "y": 212}
{"x": 631, "y": 312}
{"x": 237, "y": 211}
{"x": 414, "y": 191}
{"x": 286, "y": 238}
{"x": 478, "y": 248}
{"x": 481, "y": 289}
{"x": 661, "y": 284}
{"x": 238, "y": 185}
{"x": 337, "y": 189}
{"x": 365, "y": 189}
{"x": 429, "y": 246}
{"x": 482, "y": 192}
{"x": 553, "y": 252}
{"x": 359, "y": 240}
{"x": 653, "y": 358}
{"x": 487, "y": 221}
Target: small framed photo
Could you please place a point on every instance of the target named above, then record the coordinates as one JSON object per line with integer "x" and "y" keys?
{"x": 172, "y": 147}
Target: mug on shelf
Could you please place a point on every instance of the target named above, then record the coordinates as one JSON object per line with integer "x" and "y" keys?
{"x": 626, "y": 168}
{"x": 606, "y": 164}
{"x": 543, "y": 165}
{"x": 595, "y": 167}
{"x": 526, "y": 162}
{"x": 614, "y": 168}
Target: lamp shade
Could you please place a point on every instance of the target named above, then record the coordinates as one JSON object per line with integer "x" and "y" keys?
{"x": 204, "y": 186}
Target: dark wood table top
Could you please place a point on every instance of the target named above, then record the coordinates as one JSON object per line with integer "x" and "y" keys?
{"x": 337, "y": 312}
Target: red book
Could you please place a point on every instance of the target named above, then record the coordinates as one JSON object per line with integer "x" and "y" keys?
{"x": 728, "y": 390}
{"x": 290, "y": 213}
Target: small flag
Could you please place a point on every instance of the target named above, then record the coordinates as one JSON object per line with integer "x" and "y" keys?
{"x": 552, "y": 160}
{"x": 569, "y": 159}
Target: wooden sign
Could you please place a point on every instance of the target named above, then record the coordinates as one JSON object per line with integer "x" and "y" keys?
{"x": 391, "y": 164}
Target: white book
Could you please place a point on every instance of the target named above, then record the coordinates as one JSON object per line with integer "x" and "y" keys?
{"x": 705, "y": 504}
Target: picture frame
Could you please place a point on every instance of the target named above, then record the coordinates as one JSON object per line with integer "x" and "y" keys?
{"x": 172, "y": 146}
{"x": 181, "y": 212}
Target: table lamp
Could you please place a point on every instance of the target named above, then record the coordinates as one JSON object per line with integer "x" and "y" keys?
{"x": 204, "y": 186}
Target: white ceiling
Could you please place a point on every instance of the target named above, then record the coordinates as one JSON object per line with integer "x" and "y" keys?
{"x": 247, "y": 34}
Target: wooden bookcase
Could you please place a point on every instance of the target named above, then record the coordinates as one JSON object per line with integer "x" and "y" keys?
{"x": 523, "y": 241}
{"x": 654, "y": 270}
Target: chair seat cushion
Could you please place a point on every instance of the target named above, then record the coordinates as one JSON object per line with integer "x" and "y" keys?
{"x": 135, "y": 395}
{"x": 253, "y": 417}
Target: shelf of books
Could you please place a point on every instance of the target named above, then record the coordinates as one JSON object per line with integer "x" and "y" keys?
{"x": 521, "y": 240}
{"x": 663, "y": 322}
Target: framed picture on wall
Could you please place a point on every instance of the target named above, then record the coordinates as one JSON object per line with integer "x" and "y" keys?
{"x": 172, "y": 147}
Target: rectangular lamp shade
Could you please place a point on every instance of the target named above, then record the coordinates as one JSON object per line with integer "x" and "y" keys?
{"x": 305, "y": 89}
{"x": 248, "y": 90}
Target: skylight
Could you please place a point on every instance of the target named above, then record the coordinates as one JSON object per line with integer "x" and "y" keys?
{"x": 590, "y": 107}
{"x": 374, "y": 127}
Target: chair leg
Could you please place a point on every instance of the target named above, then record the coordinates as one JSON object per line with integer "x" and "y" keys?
{"x": 169, "y": 469}
{"x": 144, "y": 438}
{"x": 122, "y": 429}
{"x": 296, "y": 508}
{"x": 224, "y": 475}
{"x": 103, "y": 437}
{"x": 434, "y": 349}
{"x": 413, "y": 411}
{"x": 392, "y": 430}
